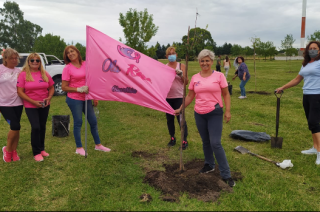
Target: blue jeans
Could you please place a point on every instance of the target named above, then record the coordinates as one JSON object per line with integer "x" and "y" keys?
{"x": 242, "y": 89}
{"x": 210, "y": 128}
{"x": 77, "y": 107}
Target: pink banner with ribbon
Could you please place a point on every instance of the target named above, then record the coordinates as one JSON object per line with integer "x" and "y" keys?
{"x": 116, "y": 72}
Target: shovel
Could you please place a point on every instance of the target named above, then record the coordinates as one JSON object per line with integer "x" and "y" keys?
{"x": 243, "y": 150}
{"x": 276, "y": 142}
{"x": 285, "y": 164}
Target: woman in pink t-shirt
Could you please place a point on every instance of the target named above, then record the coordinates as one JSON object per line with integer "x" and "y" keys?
{"x": 74, "y": 82}
{"x": 11, "y": 105}
{"x": 35, "y": 87}
{"x": 207, "y": 87}
{"x": 175, "y": 96}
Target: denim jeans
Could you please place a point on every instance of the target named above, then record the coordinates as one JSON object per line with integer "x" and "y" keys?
{"x": 77, "y": 107}
{"x": 242, "y": 89}
{"x": 210, "y": 128}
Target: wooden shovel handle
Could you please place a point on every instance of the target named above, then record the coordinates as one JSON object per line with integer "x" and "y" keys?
{"x": 263, "y": 158}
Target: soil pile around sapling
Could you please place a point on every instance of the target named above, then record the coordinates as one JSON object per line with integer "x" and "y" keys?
{"x": 173, "y": 182}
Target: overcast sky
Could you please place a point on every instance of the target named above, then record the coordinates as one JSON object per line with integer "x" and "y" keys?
{"x": 231, "y": 21}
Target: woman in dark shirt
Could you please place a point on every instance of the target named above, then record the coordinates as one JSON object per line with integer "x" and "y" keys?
{"x": 244, "y": 76}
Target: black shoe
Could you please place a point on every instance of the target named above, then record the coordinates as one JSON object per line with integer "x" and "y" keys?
{"x": 206, "y": 169}
{"x": 230, "y": 182}
{"x": 172, "y": 141}
{"x": 184, "y": 145}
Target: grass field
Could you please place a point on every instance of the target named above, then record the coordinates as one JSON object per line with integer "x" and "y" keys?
{"x": 113, "y": 181}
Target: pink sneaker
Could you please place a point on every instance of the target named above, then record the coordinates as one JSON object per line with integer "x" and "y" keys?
{"x": 6, "y": 155}
{"x": 44, "y": 154}
{"x": 38, "y": 158}
{"x": 102, "y": 148}
{"x": 80, "y": 151}
{"x": 15, "y": 156}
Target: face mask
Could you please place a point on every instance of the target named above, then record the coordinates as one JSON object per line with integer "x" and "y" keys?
{"x": 172, "y": 58}
{"x": 313, "y": 53}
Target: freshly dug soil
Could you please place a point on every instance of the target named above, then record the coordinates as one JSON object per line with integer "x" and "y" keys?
{"x": 173, "y": 182}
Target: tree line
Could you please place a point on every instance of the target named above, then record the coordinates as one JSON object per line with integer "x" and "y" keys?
{"x": 138, "y": 28}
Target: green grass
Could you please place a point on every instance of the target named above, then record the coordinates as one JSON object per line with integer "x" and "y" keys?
{"x": 113, "y": 181}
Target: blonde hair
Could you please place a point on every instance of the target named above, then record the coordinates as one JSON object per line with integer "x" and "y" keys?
{"x": 66, "y": 58}
{"x": 169, "y": 49}
{"x": 7, "y": 53}
{"x": 26, "y": 68}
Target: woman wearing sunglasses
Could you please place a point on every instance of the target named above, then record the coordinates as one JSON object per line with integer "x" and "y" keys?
{"x": 35, "y": 87}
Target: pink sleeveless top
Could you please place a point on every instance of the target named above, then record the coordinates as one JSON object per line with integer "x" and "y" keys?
{"x": 176, "y": 90}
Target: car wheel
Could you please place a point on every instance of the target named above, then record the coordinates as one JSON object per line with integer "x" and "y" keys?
{"x": 57, "y": 88}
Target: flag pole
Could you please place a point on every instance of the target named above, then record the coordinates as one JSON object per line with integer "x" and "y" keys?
{"x": 86, "y": 115}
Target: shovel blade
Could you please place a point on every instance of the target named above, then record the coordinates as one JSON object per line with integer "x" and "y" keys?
{"x": 241, "y": 149}
{"x": 276, "y": 142}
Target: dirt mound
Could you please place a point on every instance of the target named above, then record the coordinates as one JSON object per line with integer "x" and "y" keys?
{"x": 173, "y": 182}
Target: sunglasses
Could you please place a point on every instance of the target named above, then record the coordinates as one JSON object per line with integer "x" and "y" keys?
{"x": 32, "y": 60}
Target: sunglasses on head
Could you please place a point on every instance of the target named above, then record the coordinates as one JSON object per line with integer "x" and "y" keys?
{"x": 32, "y": 60}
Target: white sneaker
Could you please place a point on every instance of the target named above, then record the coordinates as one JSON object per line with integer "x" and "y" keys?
{"x": 241, "y": 97}
{"x": 318, "y": 158}
{"x": 309, "y": 151}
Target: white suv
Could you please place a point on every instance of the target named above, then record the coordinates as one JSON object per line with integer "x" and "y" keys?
{"x": 53, "y": 66}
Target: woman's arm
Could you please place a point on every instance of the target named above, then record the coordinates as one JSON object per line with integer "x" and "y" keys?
{"x": 65, "y": 87}
{"x": 227, "y": 102}
{"x": 290, "y": 84}
{"x": 48, "y": 99}
{"x": 24, "y": 96}
{"x": 189, "y": 98}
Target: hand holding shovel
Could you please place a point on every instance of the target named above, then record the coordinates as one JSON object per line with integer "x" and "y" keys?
{"x": 276, "y": 142}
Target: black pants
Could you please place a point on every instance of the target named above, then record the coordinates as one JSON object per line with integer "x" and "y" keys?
{"x": 38, "y": 120}
{"x": 13, "y": 116}
{"x": 218, "y": 68}
{"x": 311, "y": 105}
{"x": 175, "y": 104}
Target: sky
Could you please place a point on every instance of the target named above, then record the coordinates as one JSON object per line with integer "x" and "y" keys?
{"x": 231, "y": 21}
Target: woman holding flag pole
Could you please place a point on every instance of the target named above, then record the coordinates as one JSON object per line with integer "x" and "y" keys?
{"x": 73, "y": 82}
{"x": 175, "y": 96}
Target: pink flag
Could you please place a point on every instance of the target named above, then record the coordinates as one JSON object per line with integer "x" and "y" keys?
{"x": 116, "y": 72}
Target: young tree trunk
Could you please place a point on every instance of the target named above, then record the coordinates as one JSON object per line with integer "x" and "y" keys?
{"x": 254, "y": 67}
{"x": 182, "y": 115}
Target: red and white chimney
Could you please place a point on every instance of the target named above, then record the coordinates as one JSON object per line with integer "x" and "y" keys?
{"x": 303, "y": 25}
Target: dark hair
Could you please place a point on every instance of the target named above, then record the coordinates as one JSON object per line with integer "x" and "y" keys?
{"x": 306, "y": 55}
{"x": 227, "y": 58}
{"x": 66, "y": 58}
{"x": 240, "y": 58}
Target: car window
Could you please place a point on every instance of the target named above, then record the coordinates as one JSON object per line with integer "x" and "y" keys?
{"x": 21, "y": 63}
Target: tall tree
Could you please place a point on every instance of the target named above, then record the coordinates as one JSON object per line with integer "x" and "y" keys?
{"x": 202, "y": 38}
{"x": 247, "y": 51}
{"x": 236, "y": 50}
{"x": 15, "y": 31}
{"x": 226, "y": 48}
{"x": 266, "y": 49}
{"x": 50, "y": 44}
{"x": 315, "y": 36}
{"x": 286, "y": 44}
{"x": 82, "y": 50}
{"x": 255, "y": 44}
{"x": 138, "y": 28}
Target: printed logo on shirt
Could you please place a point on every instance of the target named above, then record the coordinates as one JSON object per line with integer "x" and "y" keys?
{"x": 41, "y": 80}
{"x": 197, "y": 83}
